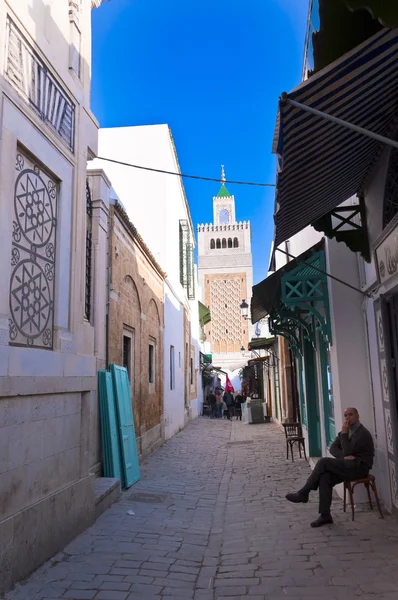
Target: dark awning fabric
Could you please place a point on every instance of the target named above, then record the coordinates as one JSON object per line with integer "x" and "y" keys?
{"x": 261, "y": 343}
{"x": 322, "y": 164}
{"x": 386, "y": 12}
{"x": 267, "y": 293}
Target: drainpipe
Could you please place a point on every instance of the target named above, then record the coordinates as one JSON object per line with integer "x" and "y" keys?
{"x": 108, "y": 287}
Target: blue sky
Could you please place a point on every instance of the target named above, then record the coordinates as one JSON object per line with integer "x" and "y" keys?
{"x": 213, "y": 71}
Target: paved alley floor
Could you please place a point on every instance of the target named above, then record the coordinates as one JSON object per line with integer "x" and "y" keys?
{"x": 211, "y": 523}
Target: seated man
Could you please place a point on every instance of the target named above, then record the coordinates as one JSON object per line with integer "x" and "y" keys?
{"x": 353, "y": 450}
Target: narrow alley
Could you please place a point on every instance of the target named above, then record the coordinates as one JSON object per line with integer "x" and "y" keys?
{"x": 211, "y": 522}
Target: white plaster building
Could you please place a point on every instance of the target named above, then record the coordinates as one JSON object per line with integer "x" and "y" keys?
{"x": 226, "y": 278}
{"x": 346, "y": 349}
{"x": 49, "y": 448}
{"x": 157, "y": 205}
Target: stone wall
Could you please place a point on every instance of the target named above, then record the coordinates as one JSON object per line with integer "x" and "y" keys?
{"x": 48, "y": 402}
{"x": 137, "y": 313}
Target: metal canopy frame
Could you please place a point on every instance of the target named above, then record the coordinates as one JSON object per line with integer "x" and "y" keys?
{"x": 304, "y": 290}
{"x": 356, "y": 128}
{"x": 304, "y": 304}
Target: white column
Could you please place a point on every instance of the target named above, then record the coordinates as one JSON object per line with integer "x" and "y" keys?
{"x": 100, "y": 188}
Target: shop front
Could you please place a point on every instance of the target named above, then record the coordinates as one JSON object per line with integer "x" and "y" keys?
{"x": 296, "y": 300}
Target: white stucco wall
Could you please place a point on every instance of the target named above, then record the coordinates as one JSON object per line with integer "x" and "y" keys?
{"x": 174, "y": 408}
{"x": 155, "y": 203}
{"x": 374, "y": 196}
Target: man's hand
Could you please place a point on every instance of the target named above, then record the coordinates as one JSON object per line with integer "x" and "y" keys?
{"x": 346, "y": 426}
{"x": 349, "y": 457}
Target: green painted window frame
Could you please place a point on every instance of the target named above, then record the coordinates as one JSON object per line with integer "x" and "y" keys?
{"x": 330, "y": 426}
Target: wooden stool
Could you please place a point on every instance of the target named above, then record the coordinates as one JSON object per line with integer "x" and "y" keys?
{"x": 368, "y": 482}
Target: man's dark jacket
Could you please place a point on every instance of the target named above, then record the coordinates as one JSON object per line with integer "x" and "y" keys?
{"x": 360, "y": 445}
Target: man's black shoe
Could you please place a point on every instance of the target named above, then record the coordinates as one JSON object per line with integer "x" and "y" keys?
{"x": 297, "y": 498}
{"x": 322, "y": 520}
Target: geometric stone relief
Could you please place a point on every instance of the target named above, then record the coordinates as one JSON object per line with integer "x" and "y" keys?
{"x": 33, "y": 256}
{"x": 380, "y": 331}
{"x": 390, "y": 441}
{"x": 393, "y": 481}
{"x": 30, "y": 76}
{"x": 384, "y": 380}
{"x": 225, "y": 300}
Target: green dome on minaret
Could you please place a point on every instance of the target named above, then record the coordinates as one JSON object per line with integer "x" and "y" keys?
{"x": 223, "y": 193}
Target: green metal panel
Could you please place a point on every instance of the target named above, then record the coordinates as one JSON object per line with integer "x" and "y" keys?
{"x": 130, "y": 465}
{"x": 301, "y": 375}
{"x": 311, "y": 389}
{"x": 109, "y": 427}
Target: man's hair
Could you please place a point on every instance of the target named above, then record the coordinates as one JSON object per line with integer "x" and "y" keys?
{"x": 354, "y": 409}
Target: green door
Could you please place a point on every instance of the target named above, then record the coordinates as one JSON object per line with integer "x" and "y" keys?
{"x": 311, "y": 393}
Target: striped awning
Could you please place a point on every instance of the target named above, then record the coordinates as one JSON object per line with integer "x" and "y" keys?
{"x": 322, "y": 164}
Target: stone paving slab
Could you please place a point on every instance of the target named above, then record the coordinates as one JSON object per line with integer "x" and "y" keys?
{"x": 211, "y": 523}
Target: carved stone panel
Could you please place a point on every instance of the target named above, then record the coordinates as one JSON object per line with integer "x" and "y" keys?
{"x": 33, "y": 255}
{"x": 41, "y": 90}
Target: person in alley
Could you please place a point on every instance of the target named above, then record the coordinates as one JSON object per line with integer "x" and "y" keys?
{"x": 353, "y": 452}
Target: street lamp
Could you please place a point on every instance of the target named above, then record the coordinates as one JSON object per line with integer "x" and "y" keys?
{"x": 244, "y": 309}
{"x": 242, "y": 351}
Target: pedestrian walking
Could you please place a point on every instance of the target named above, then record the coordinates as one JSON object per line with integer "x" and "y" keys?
{"x": 219, "y": 402}
{"x": 225, "y": 411}
{"x": 212, "y": 402}
{"x": 239, "y": 400}
{"x": 229, "y": 401}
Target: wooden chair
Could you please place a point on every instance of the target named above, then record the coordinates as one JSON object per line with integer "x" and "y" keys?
{"x": 294, "y": 434}
{"x": 369, "y": 482}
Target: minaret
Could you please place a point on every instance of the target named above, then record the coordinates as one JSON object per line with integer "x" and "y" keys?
{"x": 226, "y": 277}
{"x": 223, "y": 204}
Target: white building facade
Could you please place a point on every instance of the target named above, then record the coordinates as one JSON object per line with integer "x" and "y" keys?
{"x": 49, "y": 451}
{"x": 226, "y": 279}
{"x": 157, "y": 205}
{"x": 336, "y": 302}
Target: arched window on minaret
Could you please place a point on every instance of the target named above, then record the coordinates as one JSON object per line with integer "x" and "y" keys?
{"x": 224, "y": 243}
{"x": 212, "y": 244}
{"x": 236, "y": 243}
{"x": 229, "y": 242}
{"x": 218, "y": 243}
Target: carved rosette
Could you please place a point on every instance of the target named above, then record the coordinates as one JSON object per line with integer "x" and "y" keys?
{"x": 33, "y": 256}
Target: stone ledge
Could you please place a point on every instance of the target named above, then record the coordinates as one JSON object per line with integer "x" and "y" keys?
{"x": 107, "y": 492}
{"x": 33, "y": 386}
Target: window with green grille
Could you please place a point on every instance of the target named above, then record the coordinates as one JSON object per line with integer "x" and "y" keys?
{"x": 187, "y": 260}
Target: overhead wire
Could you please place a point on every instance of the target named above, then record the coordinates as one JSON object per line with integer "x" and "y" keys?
{"x": 184, "y": 175}
{"x": 304, "y": 262}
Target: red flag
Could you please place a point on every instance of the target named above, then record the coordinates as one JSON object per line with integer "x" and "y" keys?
{"x": 228, "y": 386}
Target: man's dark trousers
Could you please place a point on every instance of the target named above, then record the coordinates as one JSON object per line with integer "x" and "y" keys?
{"x": 328, "y": 473}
